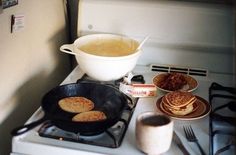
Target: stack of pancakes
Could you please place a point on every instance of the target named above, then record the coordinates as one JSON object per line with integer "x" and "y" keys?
{"x": 179, "y": 103}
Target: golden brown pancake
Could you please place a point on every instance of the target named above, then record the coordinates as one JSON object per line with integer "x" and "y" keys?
{"x": 179, "y": 98}
{"x": 76, "y": 104}
{"x": 179, "y": 103}
{"x": 89, "y": 116}
{"x": 181, "y": 113}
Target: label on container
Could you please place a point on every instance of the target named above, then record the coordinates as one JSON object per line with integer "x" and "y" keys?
{"x": 139, "y": 90}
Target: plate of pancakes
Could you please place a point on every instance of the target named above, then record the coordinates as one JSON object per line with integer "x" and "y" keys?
{"x": 169, "y": 82}
{"x": 183, "y": 105}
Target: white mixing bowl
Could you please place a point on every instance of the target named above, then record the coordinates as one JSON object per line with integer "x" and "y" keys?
{"x": 102, "y": 68}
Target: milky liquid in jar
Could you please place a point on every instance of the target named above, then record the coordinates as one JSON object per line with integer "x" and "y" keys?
{"x": 110, "y": 47}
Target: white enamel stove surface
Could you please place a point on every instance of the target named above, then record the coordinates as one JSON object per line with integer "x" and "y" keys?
{"x": 31, "y": 143}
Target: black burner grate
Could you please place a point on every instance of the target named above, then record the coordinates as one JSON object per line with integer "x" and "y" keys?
{"x": 111, "y": 138}
{"x": 222, "y": 119}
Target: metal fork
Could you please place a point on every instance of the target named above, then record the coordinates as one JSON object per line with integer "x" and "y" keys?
{"x": 192, "y": 138}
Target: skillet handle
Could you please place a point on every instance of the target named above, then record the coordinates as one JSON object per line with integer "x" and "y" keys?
{"x": 22, "y": 129}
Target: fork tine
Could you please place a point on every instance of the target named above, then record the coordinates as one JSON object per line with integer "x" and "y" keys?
{"x": 186, "y": 131}
{"x": 189, "y": 133}
{"x": 192, "y": 133}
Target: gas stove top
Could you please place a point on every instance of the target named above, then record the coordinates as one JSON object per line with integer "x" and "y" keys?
{"x": 38, "y": 141}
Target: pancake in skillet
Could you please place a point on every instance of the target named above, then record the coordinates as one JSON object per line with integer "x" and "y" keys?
{"x": 76, "y": 104}
{"x": 89, "y": 116}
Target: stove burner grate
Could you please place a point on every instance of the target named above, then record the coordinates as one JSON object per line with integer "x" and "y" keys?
{"x": 222, "y": 119}
{"x": 112, "y": 137}
{"x": 232, "y": 106}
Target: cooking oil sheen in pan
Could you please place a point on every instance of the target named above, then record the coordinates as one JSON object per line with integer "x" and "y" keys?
{"x": 110, "y": 47}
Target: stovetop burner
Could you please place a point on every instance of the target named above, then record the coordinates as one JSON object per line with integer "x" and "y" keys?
{"x": 112, "y": 137}
{"x": 222, "y": 119}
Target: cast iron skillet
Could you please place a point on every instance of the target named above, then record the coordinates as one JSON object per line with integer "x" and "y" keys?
{"x": 106, "y": 98}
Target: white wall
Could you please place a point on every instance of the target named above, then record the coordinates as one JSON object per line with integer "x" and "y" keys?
{"x": 30, "y": 61}
{"x": 182, "y": 33}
